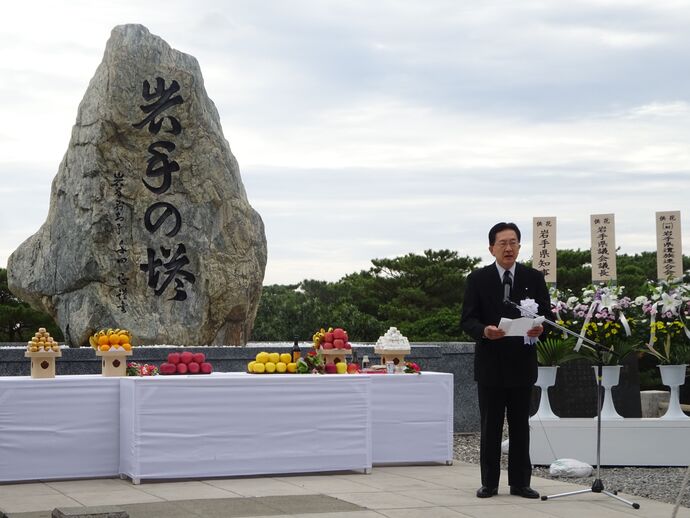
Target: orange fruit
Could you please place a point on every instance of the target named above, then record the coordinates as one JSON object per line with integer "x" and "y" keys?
{"x": 104, "y": 347}
{"x": 123, "y": 339}
{"x": 114, "y": 339}
{"x": 127, "y": 346}
{"x": 103, "y": 340}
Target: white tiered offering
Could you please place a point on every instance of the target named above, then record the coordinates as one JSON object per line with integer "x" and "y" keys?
{"x": 393, "y": 347}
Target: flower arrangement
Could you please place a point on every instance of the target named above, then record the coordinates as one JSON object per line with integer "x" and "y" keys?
{"x": 664, "y": 320}
{"x": 412, "y": 368}
{"x": 599, "y": 314}
{"x": 137, "y": 369}
{"x": 312, "y": 363}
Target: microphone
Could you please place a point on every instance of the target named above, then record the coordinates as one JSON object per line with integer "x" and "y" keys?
{"x": 506, "y": 289}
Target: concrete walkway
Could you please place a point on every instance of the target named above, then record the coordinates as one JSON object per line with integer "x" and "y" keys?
{"x": 396, "y": 492}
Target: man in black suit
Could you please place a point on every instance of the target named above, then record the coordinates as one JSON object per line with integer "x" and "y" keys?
{"x": 505, "y": 368}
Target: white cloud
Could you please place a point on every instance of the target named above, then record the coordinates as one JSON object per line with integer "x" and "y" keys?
{"x": 360, "y": 139}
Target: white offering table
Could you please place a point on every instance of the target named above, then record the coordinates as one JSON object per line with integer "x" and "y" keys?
{"x": 240, "y": 424}
{"x": 412, "y": 418}
{"x": 224, "y": 424}
{"x": 624, "y": 442}
{"x": 63, "y": 427}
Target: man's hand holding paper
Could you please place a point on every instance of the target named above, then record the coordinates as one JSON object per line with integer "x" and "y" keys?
{"x": 523, "y": 326}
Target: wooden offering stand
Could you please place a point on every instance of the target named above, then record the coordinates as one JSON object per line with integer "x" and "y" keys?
{"x": 43, "y": 363}
{"x": 114, "y": 362}
{"x": 389, "y": 355}
{"x": 332, "y": 356}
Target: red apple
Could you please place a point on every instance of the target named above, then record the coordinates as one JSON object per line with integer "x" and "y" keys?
{"x": 167, "y": 368}
{"x": 348, "y": 345}
{"x": 338, "y": 343}
{"x": 331, "y": 368}
{"x": 339, "y": 333}
{"x": 206, "y": 368}
{"x": 328, "y": 337}
{"x": 193, "y": 368}
{"x": 174, "y": 358}
{"x": 327, "y": 345}
{"x": 199, "y": 358}
{"x": 186, "y": 357}
{"x": 182, "y": 368}
{"x": 352, "y": 368}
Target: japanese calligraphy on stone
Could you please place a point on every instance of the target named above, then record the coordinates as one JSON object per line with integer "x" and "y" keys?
{"x": 167, "y": 266}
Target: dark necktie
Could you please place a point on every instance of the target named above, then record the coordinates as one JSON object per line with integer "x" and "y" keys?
{"x": 507, "y": 285}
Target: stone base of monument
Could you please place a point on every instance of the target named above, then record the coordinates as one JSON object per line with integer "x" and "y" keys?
{"x": 624, "y": 442}
{"x": 388, "y": 355}
{"x": 331, "y": 356}
{"x": 114, "y": 363}
{"x": 43, "y": 363}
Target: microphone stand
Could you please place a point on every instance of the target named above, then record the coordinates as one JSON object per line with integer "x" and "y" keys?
{"x": 598, "y": 484}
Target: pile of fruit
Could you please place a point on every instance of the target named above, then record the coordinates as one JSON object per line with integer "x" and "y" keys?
{"x": 111, "y": 340}
{"x": 42, "y": 342}
{"x": 186, "y": 363}
{"x": 272, "y": 363}
{"x": 331, "y": 339}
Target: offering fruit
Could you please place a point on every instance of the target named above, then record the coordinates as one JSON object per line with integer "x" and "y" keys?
{"x": 111, "y": 339}
{"x": 167, "y": 368}
{"x": 341, "y": 368}
{"x": 272, "y": 362}
{"x": 186, "y": 363}
{"x": 331, "y": 339}
{"x": 352, "y": 368}
{"x": 42, "y": 342}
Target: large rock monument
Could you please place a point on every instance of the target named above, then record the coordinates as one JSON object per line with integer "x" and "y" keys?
{"x": 149, "y": 226}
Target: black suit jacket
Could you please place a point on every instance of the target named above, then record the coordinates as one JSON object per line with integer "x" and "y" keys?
{"x": 506, "y": 362}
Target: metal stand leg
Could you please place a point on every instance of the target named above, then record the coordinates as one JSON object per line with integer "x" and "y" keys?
{"x": 679, "y": 498}
{"x": 598, "y": 485}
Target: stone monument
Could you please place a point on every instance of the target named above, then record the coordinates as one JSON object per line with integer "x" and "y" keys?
{"x": 149, "y": 227}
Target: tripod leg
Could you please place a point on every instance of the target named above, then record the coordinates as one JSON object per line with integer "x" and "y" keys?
{"x": 569, "y": 493}
{"x": 634, "y": 505}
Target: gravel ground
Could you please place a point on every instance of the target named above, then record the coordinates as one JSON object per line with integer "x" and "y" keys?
{"x": 659, "y": 483}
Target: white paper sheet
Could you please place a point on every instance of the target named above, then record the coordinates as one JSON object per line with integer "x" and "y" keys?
{"x": 519, "y": 326}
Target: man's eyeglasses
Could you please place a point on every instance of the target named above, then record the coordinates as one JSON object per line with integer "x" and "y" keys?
{"x": 512, "y": 243}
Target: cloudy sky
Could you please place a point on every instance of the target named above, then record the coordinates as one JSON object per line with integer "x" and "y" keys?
{"x": 369, "y": 129}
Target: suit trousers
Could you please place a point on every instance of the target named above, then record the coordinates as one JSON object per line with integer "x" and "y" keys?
{"x": 494, "y": 404}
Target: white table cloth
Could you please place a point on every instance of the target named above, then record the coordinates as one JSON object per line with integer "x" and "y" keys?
{"x": 220, "y": 425}
{"x": 226, "y": 425}
{"x": 66, "y": 427}
{"x": 412, "y": 418}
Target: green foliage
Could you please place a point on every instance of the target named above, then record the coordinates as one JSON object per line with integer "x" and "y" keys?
{"x": 556, "y": 351}
{"x": 420, "y": 294}
{"x": 18, "y": 321}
